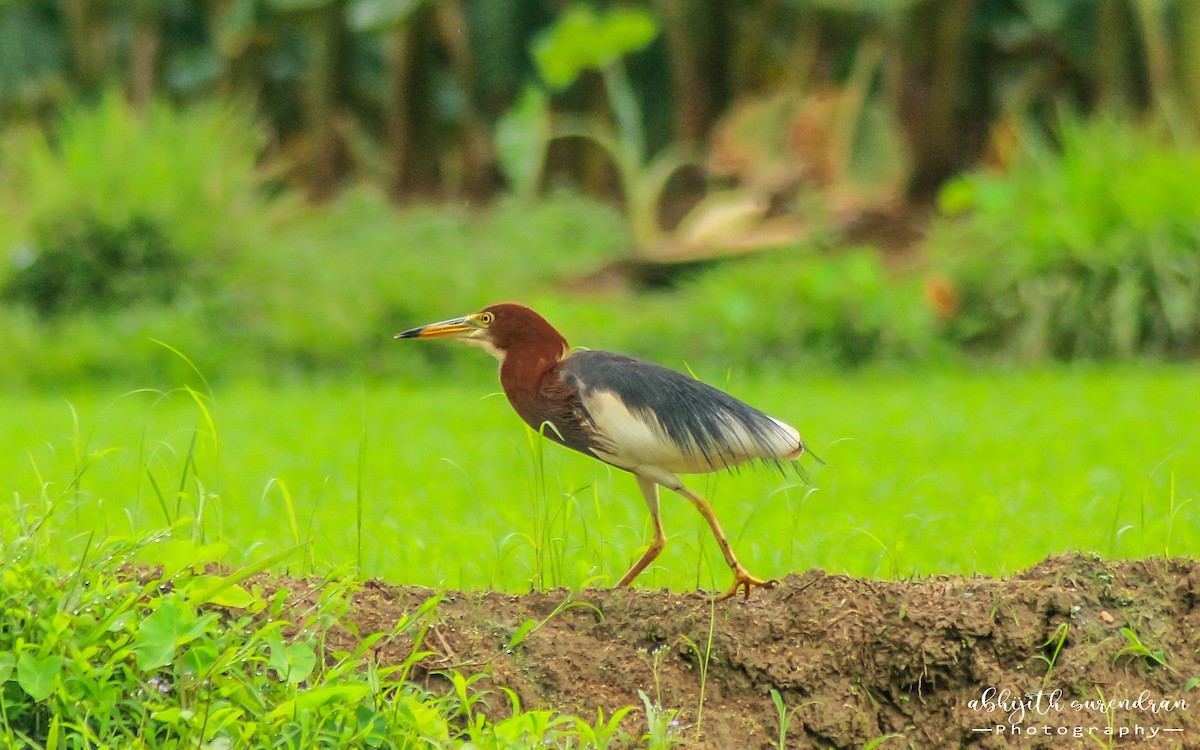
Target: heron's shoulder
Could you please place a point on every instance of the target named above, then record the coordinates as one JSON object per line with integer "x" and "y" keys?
{"x": 590, "y": 370}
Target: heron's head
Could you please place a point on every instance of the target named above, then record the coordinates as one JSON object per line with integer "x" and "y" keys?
{"x": 499, "y": 330}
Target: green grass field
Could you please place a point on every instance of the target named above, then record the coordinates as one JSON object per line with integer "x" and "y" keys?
{"x": 441, "y": 485}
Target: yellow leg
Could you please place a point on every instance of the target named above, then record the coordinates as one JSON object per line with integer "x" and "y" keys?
{"x": 741, "y": 577}
{"x": 649, "y": 490}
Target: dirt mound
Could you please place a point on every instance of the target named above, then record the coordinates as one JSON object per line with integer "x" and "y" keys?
{"x": 1073, "y": 651}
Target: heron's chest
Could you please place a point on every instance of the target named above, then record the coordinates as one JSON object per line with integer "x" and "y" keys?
{"x": 553, "y": 409}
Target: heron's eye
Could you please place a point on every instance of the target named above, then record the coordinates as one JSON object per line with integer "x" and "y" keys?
{"x": 487, "y": 318}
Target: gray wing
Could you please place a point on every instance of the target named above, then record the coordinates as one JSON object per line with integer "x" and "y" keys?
{"x": 643, "y": 414}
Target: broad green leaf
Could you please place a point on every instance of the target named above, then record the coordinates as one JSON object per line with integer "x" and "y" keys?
{"x": 582, "y": 40}
{"x": 197, "y": 660}
{"x": 235, "y": 596}
{"x": 429, "y": 724}
{"x": 566, "y": 50}
{"x": 38, "y": 676}
{"x": 8, "y": 662}
{"x": 224, "y": 596}
{"x": 625, "y": 30}
{"x": 177, "y": 555}
{"x": 293, "y": 662}
{"x": 173, "y": 716}
{"x": 319, "y": 696}
{"x": 173, "y": 624}
{"x": 301, "y": 660}
{"x": 206, "y": 593}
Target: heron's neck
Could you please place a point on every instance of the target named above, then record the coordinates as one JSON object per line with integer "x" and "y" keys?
{"x": 523, "y": 368}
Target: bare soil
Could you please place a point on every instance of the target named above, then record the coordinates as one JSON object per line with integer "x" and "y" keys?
{"x": 856, "y": 660}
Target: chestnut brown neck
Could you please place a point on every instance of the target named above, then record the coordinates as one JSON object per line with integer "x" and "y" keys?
{"x": 525, "y": 365}
{"x": 523, "y": 375}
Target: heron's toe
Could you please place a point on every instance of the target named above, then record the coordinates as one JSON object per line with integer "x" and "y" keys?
{"x": 743, "y": 581}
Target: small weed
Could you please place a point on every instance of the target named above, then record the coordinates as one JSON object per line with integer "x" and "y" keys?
{"x": 785, "y": 716}
{"x": 703, "y": 659}
{"x": 658, "y": 656}
{"x": 1173, "y": 512}
{"x": 523, "y": 728}
{"x": 662, "y": 725}
{"x": 1109, "y": 713}
{"x": 1137, "y": 648}
{"x": 1057, "y": 639}
{"x": 602, "y": 734}
{"x": 529, "y": 627}
{"x": 878, "y": 741}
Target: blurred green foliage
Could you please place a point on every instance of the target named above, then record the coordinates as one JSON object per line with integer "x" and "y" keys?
{"x": 790, "y": 310}
{"x": 1088, "y": 249}
{"x": 124, "y": 230}
{"x": 190, "y": 171}
{"x": 583, "y": 40}
{"x": 322, "y": 292}
{"x": 82, "y": 264}
{"x": 412, "y": 91}
{"x": 130, "y": 228}
{"x": 120, "y": 206}
{"x": 580, "y": 41}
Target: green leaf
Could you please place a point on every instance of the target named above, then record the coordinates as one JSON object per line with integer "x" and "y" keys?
{"x": 957, "y": 196}
{"x": 178, "y": 555}
{"x": 320, "y": 696}
{"x": 217, "y": 584}
{"x": 223, "y": 596}
{"x": 521, "y": 634}
{"x": 429, "y": 723}
{"x": 54, "y": 736}
{"x": 582, "y": 40}
{"x": 38, "y": 676}
{"x": 625, "y": 30}
{"x": 197, "y": 660}
{"x": 294, "y": 662}
{"x": 235, "y": 596}
{"x": 173, "y": 624}
{"x": 878, "y": 741}
{"x": 8, "y": 662}
{"x": 173, "y": 716}
{"x": 562, "y": 53}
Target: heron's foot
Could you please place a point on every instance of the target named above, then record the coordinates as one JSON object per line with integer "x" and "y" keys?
{"x": 743, "y": 580}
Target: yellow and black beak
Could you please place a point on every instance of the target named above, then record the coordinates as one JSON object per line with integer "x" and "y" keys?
{"x": 453, "y": 328}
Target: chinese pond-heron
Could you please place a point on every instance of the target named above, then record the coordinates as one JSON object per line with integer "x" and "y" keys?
{"x": 653, "y": 422}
